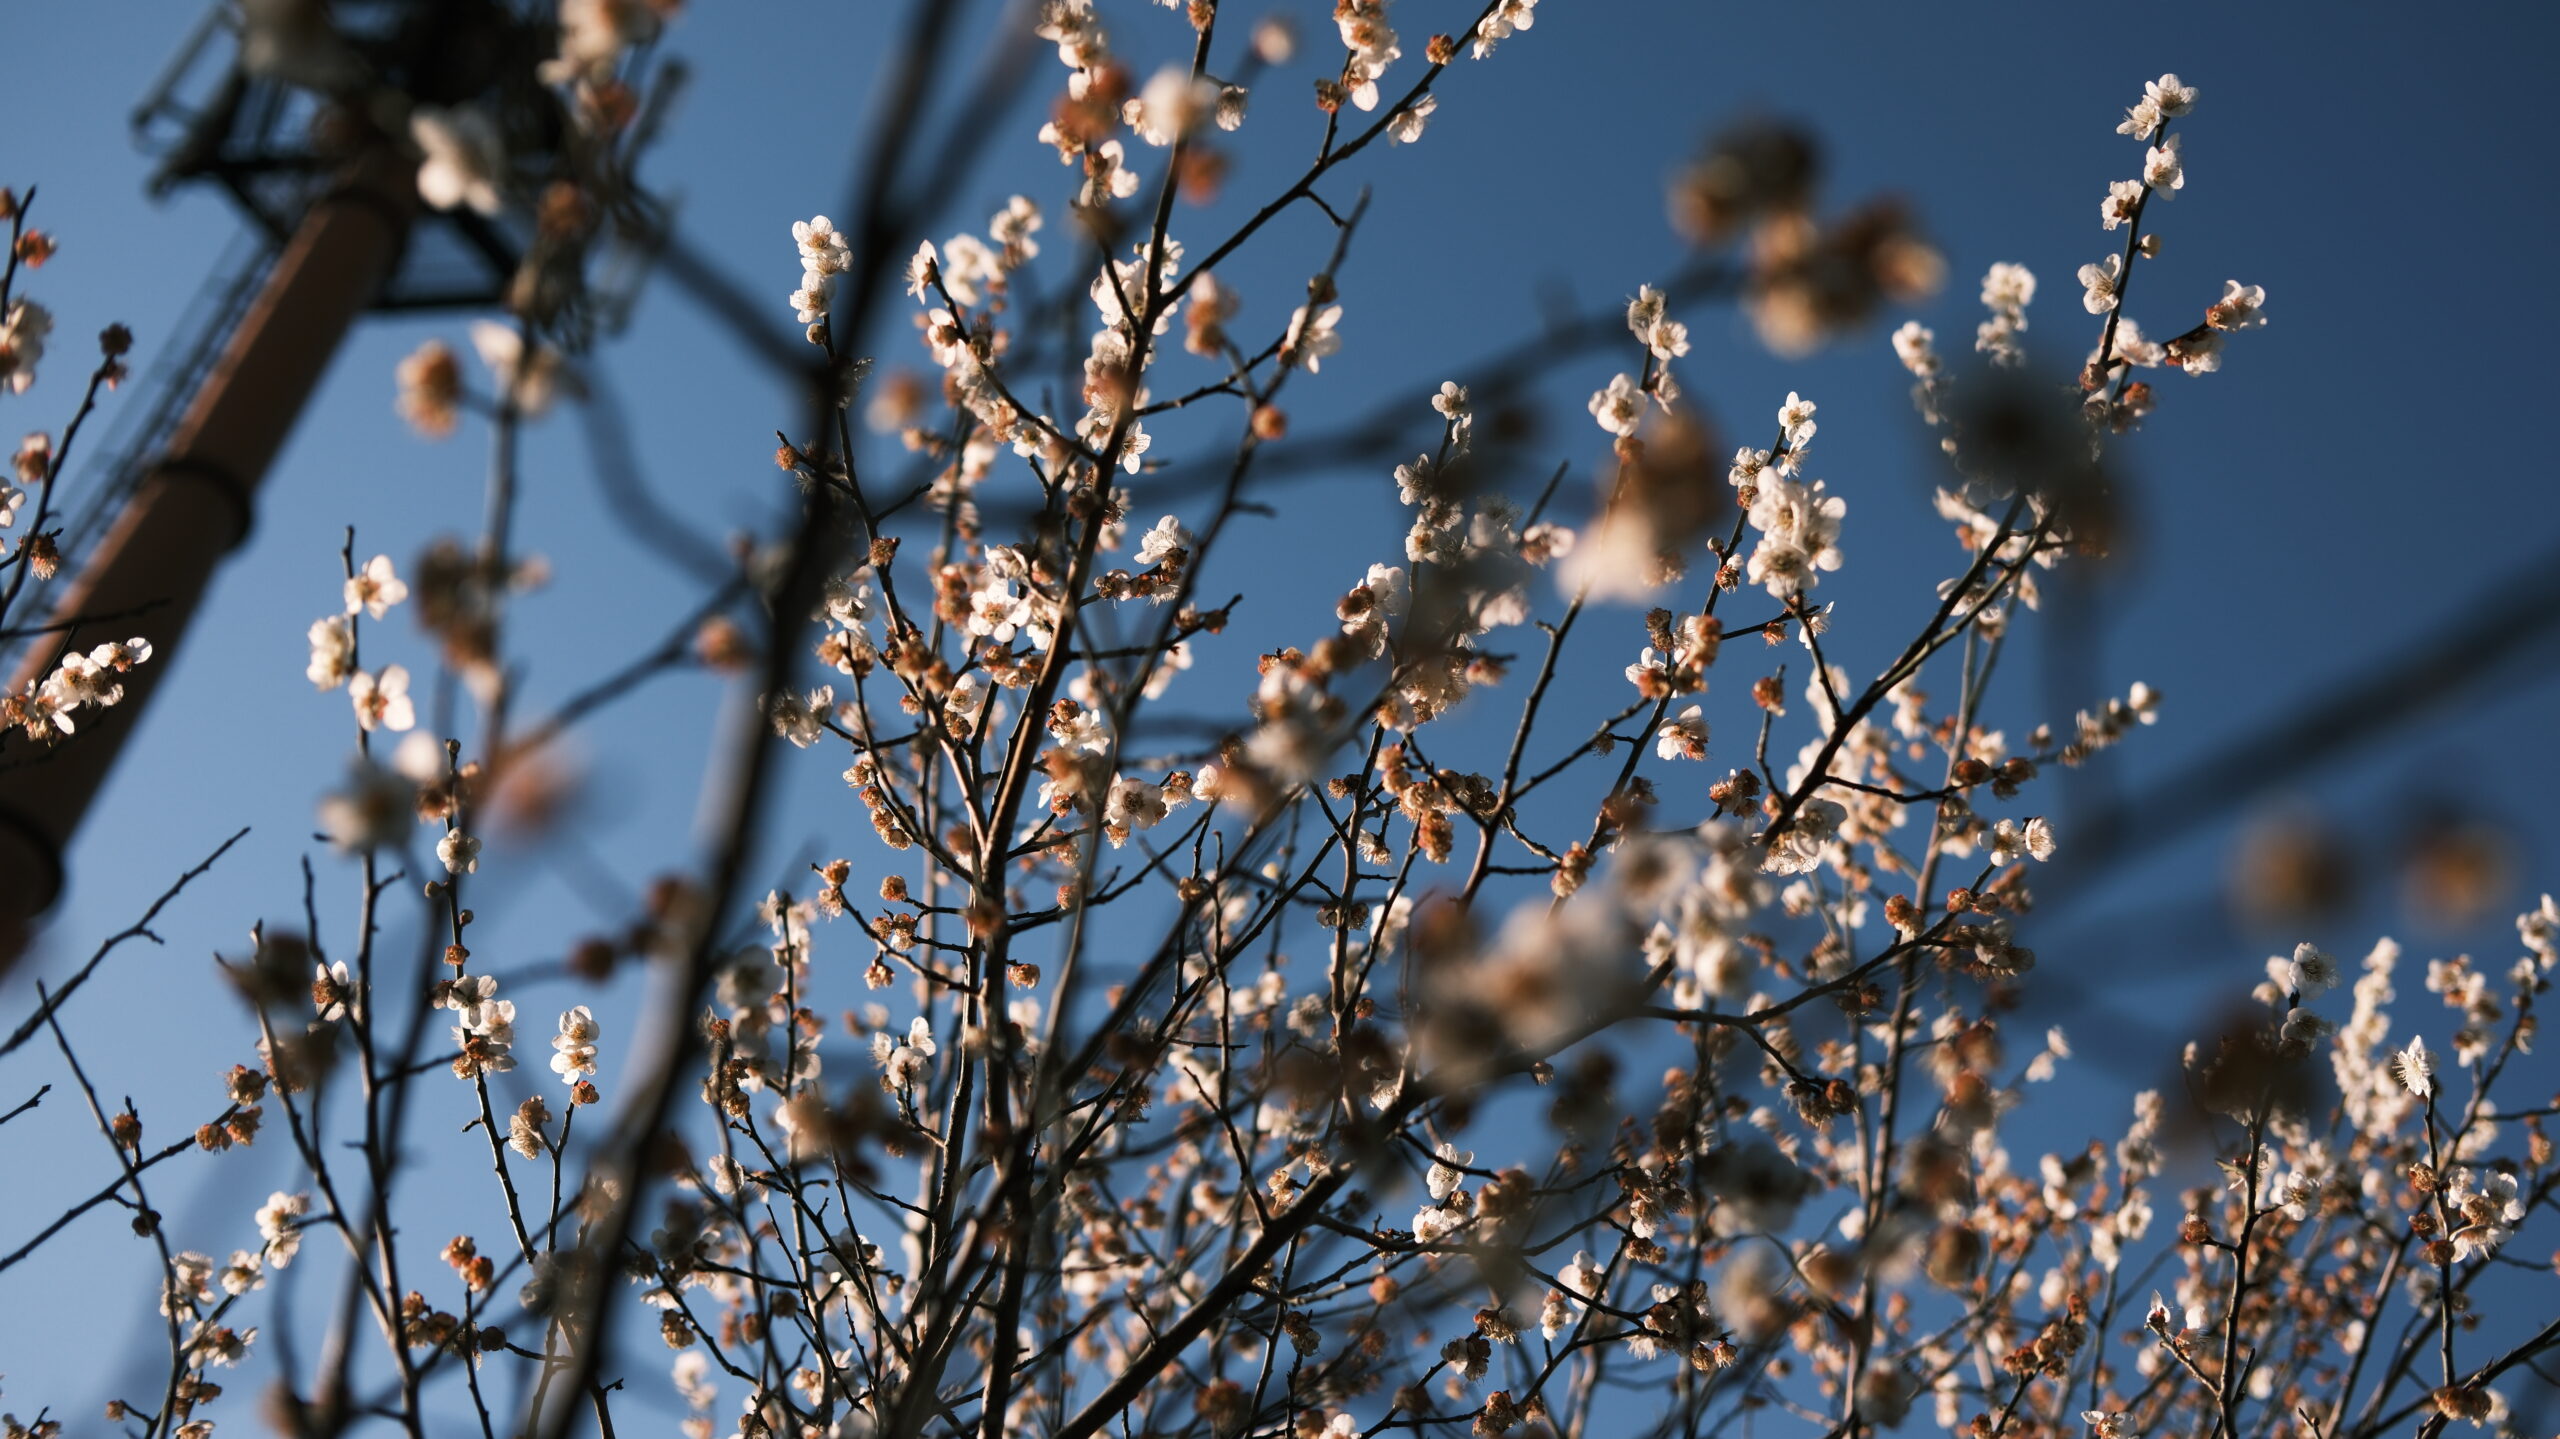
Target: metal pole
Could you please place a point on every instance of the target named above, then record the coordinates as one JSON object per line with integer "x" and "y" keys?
{"x": 196, "y": 505}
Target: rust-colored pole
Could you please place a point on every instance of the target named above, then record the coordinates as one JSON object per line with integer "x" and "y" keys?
{"x": 195, "y": 506}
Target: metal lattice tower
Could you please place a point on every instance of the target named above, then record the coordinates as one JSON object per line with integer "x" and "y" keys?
{"x": 298, "y": 112}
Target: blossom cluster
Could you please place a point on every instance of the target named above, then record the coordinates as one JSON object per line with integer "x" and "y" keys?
{"x": 1391, "y": 1028}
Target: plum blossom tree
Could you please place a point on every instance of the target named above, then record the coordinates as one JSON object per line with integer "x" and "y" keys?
{"x": 1418, "y": 1046}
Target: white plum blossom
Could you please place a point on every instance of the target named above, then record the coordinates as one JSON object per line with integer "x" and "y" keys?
{"x": 920, "y": 270}
{"x": 2308, "y": 974}
{"x": 2100, "y": 284}
{"x": 1167, "y": 541}
{"x": 999, "y": 610}
{"x": 332, "y": 991}
{"x": 82, "y": 680}
{"x": 692, "y": 1368}
{"x": 458, "y": 852}
{"x": 2168, "y": 97}
{"x": 2122, "y": 198}
{"x": 2162, "y": 99}
{"x": 802, "y": 720}
{"x": 1799, "y": 526}
{"x": 1418, "y": 481}
{"x": 1311, "y": 337}
{"x": 2415, "y": 1068}
{"x": 278, "y": 1228}
{"x": 1683, "y": 736}
{"x": 823, "y": 256}
{"x": 1133, "y": 804}
{"x": 22, "y": 336}
{"x": 2197, "y": 354}
{"x": 1013, "y": 227}
{"x": 382, "y": 699}
{"x": 1405, "y": 125}
{"x": 970, "y": 268}
{"x": 1799, "y": 850}
{"x": 1077, "y": 32}
{"x": 1446, "y": 1175}
{"x": 2012, "y": 841}
{"x": 2008, "y": 287}
{"x": 574, "y": 1046}
{"x": 373, "y": 589}
{"x": 2007, "y": 290}
{"x": 246, "y": 1272}
{"x": 1795, "y": 420}
{"x": 2242, "y": 307}
{"x": 1372, "y": 43}
{"x": 2161, "y": 169}
{"x": 2486, "y": 1208}
{"x": 333, "y": 652}
{"x": 484, "y": 1031}
{"x": 822, "y": 246}
{"x": 1666, "y": 338}
{"x": 1433, "y": 1223}
{"x": 1618, "y": 406}
{"x": 810, "y": 301}
{"x": 1508, "y": 16}
{"x": 1451, "y": 403}
{"x": 1380, "y": 596}
{"x": 2539, "y": 929}
{"x": 966, "y": 702}
{"x": 1107, "y": 175}
{"x": 903, "y": 1064}
{"x": 2132, "y": 346}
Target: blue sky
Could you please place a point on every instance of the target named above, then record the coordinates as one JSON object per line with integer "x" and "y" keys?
{"x": 2315, "y": 512}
